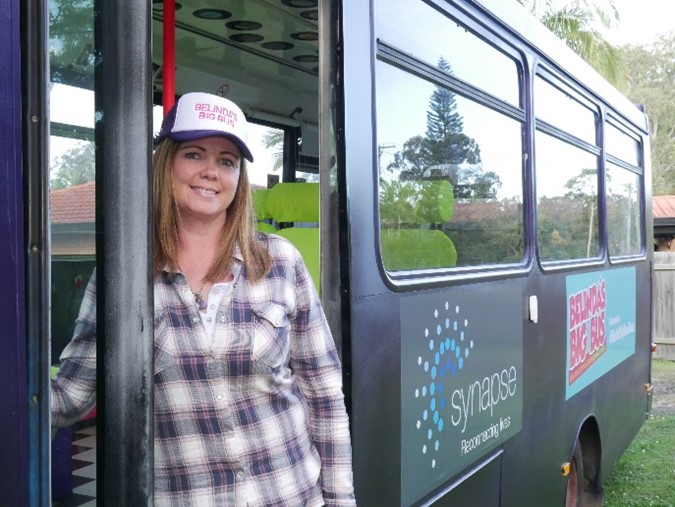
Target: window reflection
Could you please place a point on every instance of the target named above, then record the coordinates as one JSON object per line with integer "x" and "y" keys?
{"x": 71, "y": 42}
{"x": 563, "y": 111}
{"x": 567, "y": 200}
{"x": 72, "y": 228}
{"x": 450, "y": 177}
{"x": 623, "y": 211}
{"x": 621, "y": 145}
{"x": 417, "y": 28}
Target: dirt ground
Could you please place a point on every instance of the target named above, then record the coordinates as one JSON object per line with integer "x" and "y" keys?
{"x": 663, "y": 380}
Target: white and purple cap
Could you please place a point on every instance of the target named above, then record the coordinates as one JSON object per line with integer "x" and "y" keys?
{"x": 196, "y": 115}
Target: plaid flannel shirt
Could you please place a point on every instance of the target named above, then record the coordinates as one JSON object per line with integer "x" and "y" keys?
{"x": 255, "y": 417}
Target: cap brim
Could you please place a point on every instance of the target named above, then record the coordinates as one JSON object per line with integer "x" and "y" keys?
{"x": 192, "y": 135}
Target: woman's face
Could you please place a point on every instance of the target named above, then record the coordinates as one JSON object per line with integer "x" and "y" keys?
{"x": 205, "y": 177}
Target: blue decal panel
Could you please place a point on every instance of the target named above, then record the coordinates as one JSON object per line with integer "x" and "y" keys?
{"x": 601, "y": 309}
{"x": 461, "y": 381}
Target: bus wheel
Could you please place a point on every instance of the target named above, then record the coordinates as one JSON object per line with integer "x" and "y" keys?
{"x": 575, "y": 480}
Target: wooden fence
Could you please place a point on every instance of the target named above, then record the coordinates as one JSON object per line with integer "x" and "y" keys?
{"x": 663, "y": 330}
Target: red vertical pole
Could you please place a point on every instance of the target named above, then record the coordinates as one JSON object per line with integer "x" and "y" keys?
{"x": 169, "y": 60}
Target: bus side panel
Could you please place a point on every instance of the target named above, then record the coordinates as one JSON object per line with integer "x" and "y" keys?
{"x": 627, "y": 389}
{"x": 480, "y": 488}
{"x": 13, "y": 416}
{"x": 437, "y": 389}
{"x": 611, "y": 404}
{"x": 376, "y": 404}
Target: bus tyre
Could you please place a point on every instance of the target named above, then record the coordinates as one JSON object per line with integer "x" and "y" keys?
{"x": 575, "y": 480}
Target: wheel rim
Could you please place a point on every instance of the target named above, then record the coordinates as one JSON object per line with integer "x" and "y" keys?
{"x": 572, "y": 496}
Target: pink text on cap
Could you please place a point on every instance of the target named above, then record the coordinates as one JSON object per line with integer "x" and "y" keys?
{"x": 213, "y": 112}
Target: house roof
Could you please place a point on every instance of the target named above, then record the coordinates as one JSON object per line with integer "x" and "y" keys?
{"x": 663, "y": 206}
{"x": 664, "y": 215}
{"x": 74, "y": 204}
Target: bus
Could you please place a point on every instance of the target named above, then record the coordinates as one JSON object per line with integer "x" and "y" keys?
{"x": 474, "y": 203}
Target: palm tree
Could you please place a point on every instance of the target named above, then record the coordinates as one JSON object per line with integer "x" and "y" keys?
{"x": 274, "y": 139}
{"x": 576, "y": 22}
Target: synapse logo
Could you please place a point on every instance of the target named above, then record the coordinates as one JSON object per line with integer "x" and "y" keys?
{"x": 448, "y": 351}
{"x": 461, "y": 387}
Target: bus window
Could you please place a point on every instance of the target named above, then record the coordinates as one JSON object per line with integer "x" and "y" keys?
{"x": 562, "y": 110}
{"x": 566, "y": 174}
{"x": 433, "y": 36}
{"x": 72, "y": 228}
{"x": 624, "y": 202}
{"x": 624, "y": 192}
{"x": 437, "y": 136}
{"x": 567, "y": 200}
{"x": 621, "y": 145}
{"x": 268, "y": 145}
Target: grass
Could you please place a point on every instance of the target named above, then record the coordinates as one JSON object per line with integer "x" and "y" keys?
{"x": 645, "y": 474}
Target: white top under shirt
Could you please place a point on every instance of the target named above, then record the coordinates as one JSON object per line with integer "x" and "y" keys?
{"x": 214, "y": 298}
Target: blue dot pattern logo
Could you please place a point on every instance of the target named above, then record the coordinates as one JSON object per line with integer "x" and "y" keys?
{"x": 449, "y": 349}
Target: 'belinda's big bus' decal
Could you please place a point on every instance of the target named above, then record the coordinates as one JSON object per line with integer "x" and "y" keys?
{"x": 461, "y": 381}
{"x": 587, "y": 341}
{"x": 600, "y": 324}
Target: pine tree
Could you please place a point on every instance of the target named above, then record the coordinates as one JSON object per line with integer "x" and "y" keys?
{"x": 447, "y": 149}
{"x": 442, "y": 115}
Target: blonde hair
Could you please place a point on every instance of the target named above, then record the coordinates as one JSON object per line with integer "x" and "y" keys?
{"x": 239, "y": 228}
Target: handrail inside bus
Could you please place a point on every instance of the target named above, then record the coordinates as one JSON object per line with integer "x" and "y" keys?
{"x": 169, "y": 55}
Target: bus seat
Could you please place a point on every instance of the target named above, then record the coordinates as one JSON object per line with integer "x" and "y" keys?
{"x": 293, "y": 202}
{"x": 411, "y": 238}
{"x": 404, "y": 249}
{"x": 298, "y": 203}
{"x": 262, "y": 215}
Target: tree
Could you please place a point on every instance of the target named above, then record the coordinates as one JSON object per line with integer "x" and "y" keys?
{"x": 583, "y": 189}
{"x": 273, "y": 139}
{"x": 495, "y": 236}
{"x": 651, "y": 82}
{"x": 75, "y": 167}
{"x": 442, "y": 116}
{"x": 445, "y": 148}
{"x": 420, "y": 153}
{"x": 71, "y": 42}
{"x": 575, "y": 22}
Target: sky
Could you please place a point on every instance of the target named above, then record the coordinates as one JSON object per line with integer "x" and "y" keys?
{"x": 641, "y": 21}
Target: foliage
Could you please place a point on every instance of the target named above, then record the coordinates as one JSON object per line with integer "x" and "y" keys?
{"x": 568, "y": 224}
{"x": 623, "y": 211}
{"x": 71, "y": 42}
{"x": 574, "y": 23}
{"x": 419, "y": 153}
{"x": 406, "y": 203}
{"x": 442, "y": 116}
{"x": 75, "y": 167}
{"x": 651, "y": 82}
{"x": 566, "y": 228}
{"x": 495, "y": 236}
{"x": 445, "y": 152}
{"x": 274, "y": 139}
{"x": 583, "y": 188}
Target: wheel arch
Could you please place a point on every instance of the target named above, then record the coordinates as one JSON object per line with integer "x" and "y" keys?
{"x": 590, "y": 440}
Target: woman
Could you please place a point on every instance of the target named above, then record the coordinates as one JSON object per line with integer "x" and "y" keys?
{"x": 249, "y": 407}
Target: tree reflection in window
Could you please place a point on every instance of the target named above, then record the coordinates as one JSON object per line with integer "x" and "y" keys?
{"x": 438, "y": 181}
{"x": 445, "y": 152}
